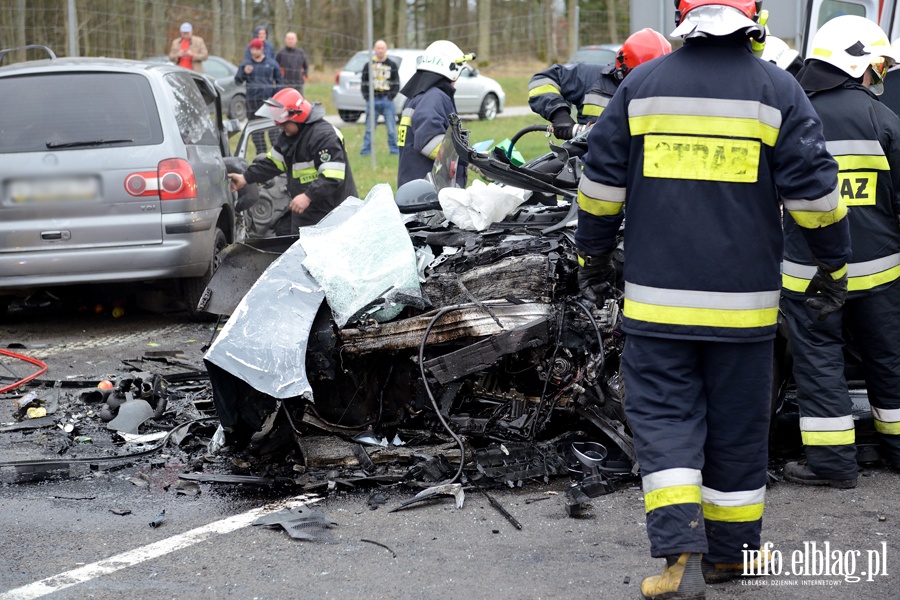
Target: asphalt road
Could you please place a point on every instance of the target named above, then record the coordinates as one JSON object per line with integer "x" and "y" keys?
{"x": 61, "y": 540}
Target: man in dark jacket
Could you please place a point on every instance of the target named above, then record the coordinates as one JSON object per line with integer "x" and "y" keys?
{"x": 850, "y": 57}
{"x": 310, "y": 151}
{"x": 426, "y": 116}
{"x": 261, "y": 33}
{"x": 263, "y": 77}
{"x": 386, "y": 78}
{"x": 294, "y": 66}
{"x": 703, "y": 169}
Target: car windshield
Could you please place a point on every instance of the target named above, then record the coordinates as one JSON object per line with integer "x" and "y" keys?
{"x": 65, "y": 110}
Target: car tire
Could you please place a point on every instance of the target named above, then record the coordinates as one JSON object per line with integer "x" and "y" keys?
{"x": 490, "y": 106}
{"x": 349, "y": 116}
{"x": 237, "y": 108}
{"x": 194, "y": 287}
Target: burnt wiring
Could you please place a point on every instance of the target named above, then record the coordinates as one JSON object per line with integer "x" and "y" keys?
{"x": 537, "y": 414}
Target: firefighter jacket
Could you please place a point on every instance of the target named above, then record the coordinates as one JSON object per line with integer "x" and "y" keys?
{"x": 863, "y": 135}
{"x": 315, "y": 163}
{"x": 587, "y": 87}
{"x": 423, "y": 123}
{"x": 701, "y": 169}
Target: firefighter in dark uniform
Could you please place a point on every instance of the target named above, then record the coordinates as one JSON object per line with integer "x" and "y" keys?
{"x": 850, "y": 57}
{"x": 426, "y": 115}
{"x": 589, "y": 87}
{"x": 310, "y": 151}
{"x": 702, "y": 170}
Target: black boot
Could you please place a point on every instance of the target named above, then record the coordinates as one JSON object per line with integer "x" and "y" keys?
{"x": 799, "y": 472}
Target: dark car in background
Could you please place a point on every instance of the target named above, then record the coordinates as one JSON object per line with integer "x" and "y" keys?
{"x": 598, "y": 54}
{"x": 110, "y": 171}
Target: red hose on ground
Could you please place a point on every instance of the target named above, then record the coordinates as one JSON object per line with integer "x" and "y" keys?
{"x": 27, "y": 359}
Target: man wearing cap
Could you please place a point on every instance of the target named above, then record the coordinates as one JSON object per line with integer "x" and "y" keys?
{"x": 189, "y": 50}
{"x": 263, "y": 77}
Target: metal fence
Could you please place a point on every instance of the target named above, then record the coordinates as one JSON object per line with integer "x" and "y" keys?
{"x": 330, "y": 30}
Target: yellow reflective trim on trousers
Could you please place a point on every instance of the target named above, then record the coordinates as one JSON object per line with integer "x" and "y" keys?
{"x": 598, "y": 208}
{"x": 306, "y": 175}
{"x": 701, "y": 158}
{"x": 591, "y": 110}
{"x": 855, "y": 162}
{"x": 543, "y": 89}
{"x": 733, "y": 514}
{"x": 815, "y": 219}
{"x": 701, "y": 317}
{"x": 668, "y": 496}
{"x": 333, "y": 173}
{"x": 728, "y": 127}
{"x": 858, "y": 188}
{"x": 887, "y": 428}
{"x": 828, "y": 438}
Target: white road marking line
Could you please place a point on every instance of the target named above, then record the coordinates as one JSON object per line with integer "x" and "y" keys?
{"x": 132, "y": 557}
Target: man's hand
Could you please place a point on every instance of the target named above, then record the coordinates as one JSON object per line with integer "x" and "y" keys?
{"x": 563, "y": 125}
{"x": 300, "y": 203}
{"x": 237, "y": 181}
{"x": 596, "y": 277}
{"x": 828, "y": 293}
{"x": 248, "y": 69}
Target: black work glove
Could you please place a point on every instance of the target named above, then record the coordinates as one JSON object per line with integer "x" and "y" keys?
{"x": 828, "y": 294}
{"x": 596, "y": 277}
{"x": 563, "y": 124}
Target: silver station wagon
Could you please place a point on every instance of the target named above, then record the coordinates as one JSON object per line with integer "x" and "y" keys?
{"x": 110, "y": 171}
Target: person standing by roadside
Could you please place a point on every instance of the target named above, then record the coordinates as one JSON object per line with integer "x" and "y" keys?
{"x": 263, "y": 78}
{"x": 851, "y": 56}
{"x": 310, "y": 151}
{"x": 703, "y": 166}
{"x": 385, "y": 86}
{"x": 261, "y": 33}
{"x": 189, "y": 50}
{"x": 294, "y": 66}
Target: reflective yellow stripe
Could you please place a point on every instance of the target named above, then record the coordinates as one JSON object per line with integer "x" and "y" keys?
{"x": 733, "y": 514}
{"x": 277, "y": 158}
{"x": 838, "y": 273}
{"x": 729, "y": 127}
{"x": 701, "y": 158}
{"x": 433, "y": 146}
{"x": 700, "y": 317}
{"x": 887, "y": 428}
{"x": 861, "y": 276}
{"x": 333, "y": 173}
{"x": 828, "y": 438}
{"x": 305, "y": 175}
{"x": 543, "y": 89}
{"x": 816, "y": 219}
{"x": 598, "y": 208}
{"x": 591, "y": 110}
{"x": 859, "y": 161}
{"x": 823, "y": 52}
{"x": 667, "y": 496}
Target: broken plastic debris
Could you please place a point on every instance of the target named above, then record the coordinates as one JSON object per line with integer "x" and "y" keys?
{"x": 36, "y": 412}
{"x": 217, "y": 442}
{"x": 301, "y": 523}
{"x": 131, "y": 415}
{"x": 158, "y": 519}
{"x": 136, "y": 438}
{"x": 450, "y": 489}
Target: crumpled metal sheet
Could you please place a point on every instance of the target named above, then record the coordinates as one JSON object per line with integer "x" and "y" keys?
{"x": 264, "y": 341}
{"x": 365, "y": 259}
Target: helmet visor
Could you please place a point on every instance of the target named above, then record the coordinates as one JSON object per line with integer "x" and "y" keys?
{"x": 272, "y": 109}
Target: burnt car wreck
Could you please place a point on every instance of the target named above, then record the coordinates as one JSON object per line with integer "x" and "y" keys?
{"x": 488, "y": 345}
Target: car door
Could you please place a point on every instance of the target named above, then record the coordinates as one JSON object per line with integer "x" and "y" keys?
{"x": 468, "y": 92}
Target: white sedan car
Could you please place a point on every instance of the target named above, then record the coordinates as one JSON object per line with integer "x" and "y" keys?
{"x": 475, "y": 93}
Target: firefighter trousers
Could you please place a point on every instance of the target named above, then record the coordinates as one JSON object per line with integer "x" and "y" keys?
{"x": 826, "y": 419}
{"x": 699, "y": 412}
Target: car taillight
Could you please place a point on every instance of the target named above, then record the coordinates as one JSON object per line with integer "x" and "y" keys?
{"x": 144, "y": 183}
{"x": 176, "y": 180}
{"x": 337, "y": 78}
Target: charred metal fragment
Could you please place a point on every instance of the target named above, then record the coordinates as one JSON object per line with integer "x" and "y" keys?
{"x": 525, "y": 277}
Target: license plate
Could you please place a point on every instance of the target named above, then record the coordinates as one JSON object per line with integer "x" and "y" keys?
{"x": 79, "y": 189}
{"x": 354, "y": 85}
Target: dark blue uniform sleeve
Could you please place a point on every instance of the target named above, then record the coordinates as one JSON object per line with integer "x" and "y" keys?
{"x": 430, "y": 121}
{"x": 561, "y": 85}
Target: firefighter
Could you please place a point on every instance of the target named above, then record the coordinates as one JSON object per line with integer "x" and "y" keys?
{"x": 702, "y": 169}
{"x": 310, "y": 151}
{"x": 589, "y": 87}
{"x": 842, "y": 77}
{"x": 426, "y": 115}
{"x": 778, "y": 52}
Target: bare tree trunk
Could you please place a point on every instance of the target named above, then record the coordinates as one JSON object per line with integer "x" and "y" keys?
{"x": 140, "y": 32}
{"x": 612, "y": 21}
{"x": 19, "y": 34}
{"x": 484, "y": 32}
{"x": 389, "y": 19}
{"x": 158, "y": 24}
{"x": 281, "y": 24}
{"x": 548, "y": 30}
{"x": 402, "y": 38}
{"x": 573, "y": 26}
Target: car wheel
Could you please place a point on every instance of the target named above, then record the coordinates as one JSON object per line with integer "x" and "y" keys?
{"x": 349, "y": 116}
{"x": 237, "y": 108}
{"x": 489, "y": 108}
{"x": 194, "y": 287}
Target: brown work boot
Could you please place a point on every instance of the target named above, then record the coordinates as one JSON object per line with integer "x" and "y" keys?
{"x": 682, "y": 580}
{"x": 722, "y": 572}
{"x": 799, "y": 472}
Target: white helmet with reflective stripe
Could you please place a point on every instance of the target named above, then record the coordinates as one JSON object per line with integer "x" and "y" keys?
{"x": 444, "y": 58}
{"x": 852, "y": 44}
{"x": 778, "y": 52}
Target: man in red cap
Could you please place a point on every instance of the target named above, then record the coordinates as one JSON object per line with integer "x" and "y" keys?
{"x": 263, "y": 77}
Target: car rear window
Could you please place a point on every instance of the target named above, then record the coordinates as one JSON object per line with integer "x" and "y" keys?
{"x": 73, "y": 111}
